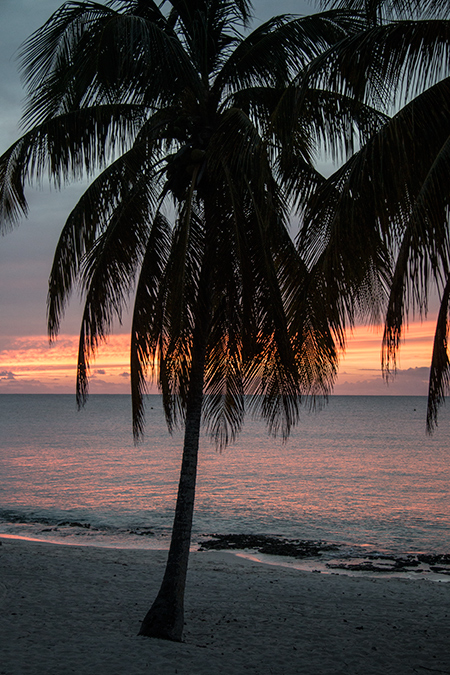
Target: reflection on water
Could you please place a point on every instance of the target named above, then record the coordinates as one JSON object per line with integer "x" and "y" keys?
{"x": 360, "y": 471}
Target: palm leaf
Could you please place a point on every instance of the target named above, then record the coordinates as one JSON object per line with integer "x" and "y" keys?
{"x": 91, "y": 215}
{"x": 382, "y": 10}
{"x": 385, "y": 65}
{"x": 282, "y": 47}
{"x": 108, "y": 272}
{"x": 423, "y": 255}
{"x": 147, "y": 332}
{"x": 367, "y": 203}
{"x": 83, "y": 58}
{"x": 64, "y": 148}
{"x": 439, "y": 385}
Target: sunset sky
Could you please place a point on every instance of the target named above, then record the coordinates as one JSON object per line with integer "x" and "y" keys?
{"x": 27, "y": 363}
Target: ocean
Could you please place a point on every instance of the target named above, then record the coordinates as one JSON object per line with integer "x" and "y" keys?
{"x": 360, "y": 473}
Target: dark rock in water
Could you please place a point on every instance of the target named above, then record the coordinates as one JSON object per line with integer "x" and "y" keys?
{"x": 438, "y": 559}
{"x": 365, "y": 566}
{"x": 293, "y": 548}
{"x": 397, "y": 561}
{"x": 440, "y": 570}
{"x": 142, "y": 531}
{"x": 68, "y": 523}
{"x": 389, "y": 563}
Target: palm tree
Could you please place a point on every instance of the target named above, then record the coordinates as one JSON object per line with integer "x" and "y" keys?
{"x": 179, "y": 104}
{"x": 388, "y": 206}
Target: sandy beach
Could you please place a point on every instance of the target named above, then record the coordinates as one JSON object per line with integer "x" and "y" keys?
{"x": 70, "y": 609}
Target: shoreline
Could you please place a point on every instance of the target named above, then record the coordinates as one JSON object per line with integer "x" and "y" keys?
{"x": 77, "y": 609}
{"x": 294, "y": 554}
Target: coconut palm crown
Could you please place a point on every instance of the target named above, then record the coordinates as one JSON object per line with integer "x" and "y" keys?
{"x": 179, "y": 106}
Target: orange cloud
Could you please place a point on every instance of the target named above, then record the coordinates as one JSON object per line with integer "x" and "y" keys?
{"x": 360, "y": 369}
{"x": 30, "y": 364}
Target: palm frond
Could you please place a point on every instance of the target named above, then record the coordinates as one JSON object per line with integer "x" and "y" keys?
{"x": 385, "y": 65}
{"x": 387, "y": 10}
{"x": 368, "y": 203}
{"x": 308, "y": 125}
{"x": 87, "y": 54}
{"x": 47, "y": 45}
{"x": 281, "y": 48}
{"x": 224, "y": 406}
{"x": 439, "y": 385}
{"x": 108, "y": 273}
{"x": 181, "y": 291}
{"x": 423, "y": 257}
{"x": 87, "y": 221}
{"x": 148, "y": 328}
{"x": 13, "y": 203}
{"x": 224, "y": 402}
{"x": 92, "y": 213}
{"x": 64, "y": 148}
{"x": 397, "y": 308}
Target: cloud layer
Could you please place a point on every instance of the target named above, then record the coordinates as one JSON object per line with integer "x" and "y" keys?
{"x": 28, "y": 364}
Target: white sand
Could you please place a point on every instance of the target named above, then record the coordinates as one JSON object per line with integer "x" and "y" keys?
{"x": 77, "y": 610}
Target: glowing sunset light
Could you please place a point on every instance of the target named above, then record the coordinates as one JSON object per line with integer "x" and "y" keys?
{"x": 360, "y": 368}
{"x": 31, "y": 365}
{"x": 364, "y": 347}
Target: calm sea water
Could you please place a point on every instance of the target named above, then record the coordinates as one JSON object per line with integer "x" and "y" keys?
{"x": 360, "y": 472}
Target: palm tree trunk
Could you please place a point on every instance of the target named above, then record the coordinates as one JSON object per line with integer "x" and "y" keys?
{"x": 165, "y": 619}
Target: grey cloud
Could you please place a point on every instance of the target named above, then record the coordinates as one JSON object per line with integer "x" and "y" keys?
{"x": 7, "y": 375}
